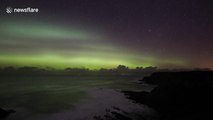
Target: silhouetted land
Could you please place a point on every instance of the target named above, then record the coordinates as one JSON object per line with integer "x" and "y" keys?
{"x": 30, "y": 71}
{"x": 179, "y": 95}
{"x": 5, "y": 113}
{"x": 119, "y": 70}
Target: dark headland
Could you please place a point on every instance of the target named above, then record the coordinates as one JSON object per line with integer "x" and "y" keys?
{"x": 5, "y": 113}
{"x": 179, "y": 95}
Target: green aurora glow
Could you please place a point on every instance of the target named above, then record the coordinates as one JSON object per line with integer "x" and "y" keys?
{"x": 57, "y": 46}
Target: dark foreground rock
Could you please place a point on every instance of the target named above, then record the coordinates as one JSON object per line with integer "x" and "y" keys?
{"x": 179, "y": 95}
{"x": 5, "y": 113}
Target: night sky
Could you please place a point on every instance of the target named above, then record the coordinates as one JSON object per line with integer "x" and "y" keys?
{"x": 105, "y": 33}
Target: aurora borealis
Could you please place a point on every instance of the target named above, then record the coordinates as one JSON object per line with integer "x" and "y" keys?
{"x": 105, "y": 34}
{"x": 60, "y": 47}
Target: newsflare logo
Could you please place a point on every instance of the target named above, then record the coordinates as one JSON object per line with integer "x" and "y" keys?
{"x": 21, "y": 10}
{"x": 9, "y": 10}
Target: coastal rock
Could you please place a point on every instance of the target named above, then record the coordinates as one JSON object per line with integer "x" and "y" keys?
{"x": 179, "y": 95}
{"x": 5, "y": 113}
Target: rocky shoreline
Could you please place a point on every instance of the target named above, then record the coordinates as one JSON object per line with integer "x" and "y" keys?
{"x": 5, "y": 113}
{"x": 179, "y": 95}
